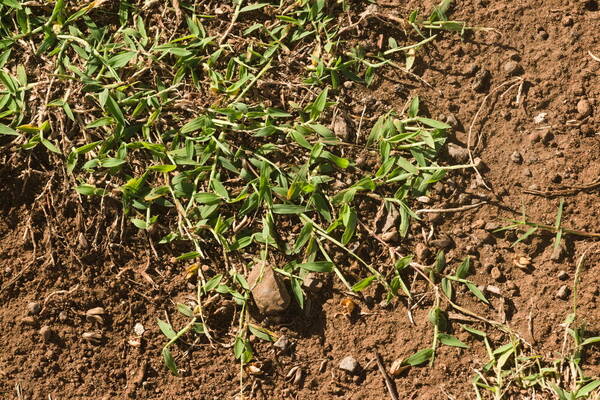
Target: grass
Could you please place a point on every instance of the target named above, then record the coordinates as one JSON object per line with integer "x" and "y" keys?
{"x": 215, "y": 136}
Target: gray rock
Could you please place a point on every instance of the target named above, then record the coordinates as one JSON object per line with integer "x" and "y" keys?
{"x": 349, "y": 364}
{"x": 558, "y": 253}
{"x": 452, "y": 121}
{"x": 268, "y": 290}
{"x": 34, "y": 308}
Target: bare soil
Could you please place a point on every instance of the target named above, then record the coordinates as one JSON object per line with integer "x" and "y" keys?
{"x": 70, "y": 254}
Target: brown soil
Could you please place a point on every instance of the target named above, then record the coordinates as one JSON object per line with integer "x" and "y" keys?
{"x": 71, "y": 255}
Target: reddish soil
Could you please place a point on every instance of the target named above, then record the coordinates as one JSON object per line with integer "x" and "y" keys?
{"x": 71, "y": 255}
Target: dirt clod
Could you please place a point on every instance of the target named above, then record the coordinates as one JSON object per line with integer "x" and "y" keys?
{"x": 283, "y": 343}
{"x": 46, "y": 333}
{"x": 516, "y": 157}
{"x": 458, "y": 153}
{"x": 349, "y": 364}
{"x": 34, "y": 308}
{"x": 268, "y": 290}
{"x": 497, "y": 274}
{"x": 512, "y": 68}
{"x": 482, "y": 81}
{"x": 562, "y": 275}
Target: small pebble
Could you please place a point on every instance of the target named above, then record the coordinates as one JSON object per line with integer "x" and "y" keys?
{"x": 543, "y": 35}
{"x": 563, "y": 293}
{"x": 482, "y": 81}
{"x": 349, "y": 364}
{"x": 63, "y": 316}
{"x": 139, "y": 329}
{"x": 584, "y": 108}
{"x": 452, "y": 121}
{"x": 283, "y": 343}
{"x": 512, "y": 68}
{"x": 516, "y": 157}
{"x": 567, "y": 20}
{"x": 422, "y": 252}
{"x": 442, "y": 243}
{"x": 34, "y": 308}
{"x": 527, "y": 173}
{"x": 497, "y": 274}
{"x": 348, "y": 84}
{"x": 458, "y": 153}
{"x": 46, "y": 333}
{"x": 558, "y": 253}
{"x": 470, "y": 69}
{"x": 563, "y": 276}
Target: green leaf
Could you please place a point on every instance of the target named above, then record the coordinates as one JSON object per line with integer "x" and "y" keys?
{"x": 139, "y": 223}
{"x": 212, "y": 283}
{"x": 592, "y": 340}
{"x": 252, "y": 7}
{"x": 162, "y": 168}
{"x": 464, "y": 268}
{"x": 260, "y": 332}
{"x": 363, "y": 284}
{"x": 194, "y": 125}
{"x": 185, "y": 310}
{"x": 317, "y": 266}
{"x": 50, "y": 146}
{"x": 7, "y": 130}
{"x": 450, "y": 340}
{"x": 319, "y": 105}
{"x": 120, "y": 60}
{"x": 169, "y": 361}
{"x": 413, "y": 109}
{"x": 287, "y": 209}
{"x": 474, "y": 331}
{"x": 349, "y": 220}
{"x": 478, "y": 293}
{"x": 166, "y": 329}
{"x": 113, "y": 108}
{"x": 587, "y": 389}
{"x": 419, "y": 357}
{"x": 432, "y": 123}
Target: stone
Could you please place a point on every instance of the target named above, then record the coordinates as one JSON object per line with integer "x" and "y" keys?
{"x": 268, "y": 290}
{"x": 584, "y": 108}
{"x": 34, "y": 308}
{"x": 458, "y": 153}
{"x": 348, "y": 84}
{"x": 563, "y": 293}
{"x": 349, "y": 364}
{"x": 516, "y": 157}
{"x": 512, "y": 68}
